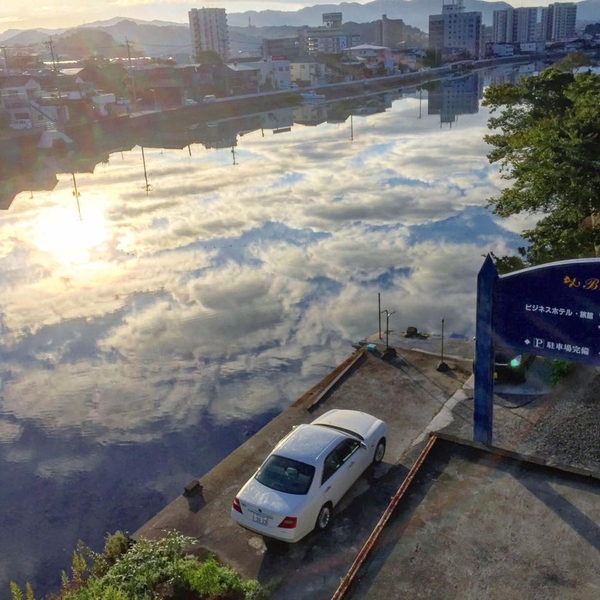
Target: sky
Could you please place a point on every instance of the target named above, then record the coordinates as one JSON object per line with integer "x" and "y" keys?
{"x": 55, "y": 14}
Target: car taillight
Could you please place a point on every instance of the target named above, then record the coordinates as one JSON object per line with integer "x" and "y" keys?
{"x": 237, "y": 505}
{"x": 289, "y": 523}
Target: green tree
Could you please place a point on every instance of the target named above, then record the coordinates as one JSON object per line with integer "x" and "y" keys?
{"x": 545, "y": 138}
{"x": 572, "y": 61}
{"x": 209, "y": 57}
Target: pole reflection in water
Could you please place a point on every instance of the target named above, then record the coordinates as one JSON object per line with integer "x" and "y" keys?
{"x": 147, "y": 187}
{"x": 76, "y": 194}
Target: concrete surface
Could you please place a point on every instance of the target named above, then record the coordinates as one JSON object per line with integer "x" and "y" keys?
{"x": 406, "y": 392}
{"x": 474, "y": 524}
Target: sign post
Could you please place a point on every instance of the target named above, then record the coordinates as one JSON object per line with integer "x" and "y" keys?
{"x": 483, "y": 418}
{"x": 552, "y": 310}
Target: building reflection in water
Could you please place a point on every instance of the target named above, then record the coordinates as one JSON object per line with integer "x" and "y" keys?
{"x": 454, "y": 97}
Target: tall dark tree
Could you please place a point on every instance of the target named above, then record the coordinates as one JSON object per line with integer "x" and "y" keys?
{"x": 545, "y": 136}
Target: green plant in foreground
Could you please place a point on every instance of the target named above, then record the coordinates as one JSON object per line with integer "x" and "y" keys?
{"x": 17, "y": 594}
{"x": 149, "y": 570}
{"x": 560, "y": 369}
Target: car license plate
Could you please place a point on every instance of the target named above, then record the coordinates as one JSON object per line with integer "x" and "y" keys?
{"x": 260, "y": 519}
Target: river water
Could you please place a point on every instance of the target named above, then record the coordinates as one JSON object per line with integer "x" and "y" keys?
{"x": 151, "y": 324}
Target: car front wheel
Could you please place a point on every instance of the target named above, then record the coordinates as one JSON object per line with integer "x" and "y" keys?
{"x": 324, "y": 518}
{"x": 379, "y": 452}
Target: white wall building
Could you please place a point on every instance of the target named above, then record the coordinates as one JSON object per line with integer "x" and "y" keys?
{"x": 514, "y": 25}
{"x": 558, "y": 21}
{"x": 455, "y": 30}
{"x": 275, "y": 72}
{"x": 208, "y": 27}
{"x": 310, "y": 72}
{"x": 373, "y": 56}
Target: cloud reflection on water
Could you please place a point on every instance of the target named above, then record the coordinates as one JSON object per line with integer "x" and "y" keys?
{"x": 221, "y": 244}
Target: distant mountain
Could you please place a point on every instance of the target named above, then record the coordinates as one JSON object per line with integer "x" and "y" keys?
{"x": 116, "y": 20}
{"x": 82, "y": 42}
{"x": 28, "y": 38}
{"x": 153, "y": 40}
{"x": 412, "y": 12}
{"x": 11, "y": 34}
{"x": 588, "y": 11}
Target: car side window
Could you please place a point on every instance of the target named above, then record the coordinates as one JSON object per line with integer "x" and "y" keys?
{"x": 337, "y": 457}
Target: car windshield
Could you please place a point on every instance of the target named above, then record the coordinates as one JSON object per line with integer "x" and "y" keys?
{"x": 286, "y": 475}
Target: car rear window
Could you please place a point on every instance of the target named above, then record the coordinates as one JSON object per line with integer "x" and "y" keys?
{"x": 286, "y": 475}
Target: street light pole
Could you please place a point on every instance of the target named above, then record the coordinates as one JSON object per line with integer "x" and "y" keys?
{"x": 387, "y": 326}
{"x": 442, "y": 366}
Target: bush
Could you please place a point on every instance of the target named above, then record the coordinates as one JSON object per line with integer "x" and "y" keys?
{"x": 560, "y": 369}
{"x": 149, "y": 570}
{"x": 212, "y": 579}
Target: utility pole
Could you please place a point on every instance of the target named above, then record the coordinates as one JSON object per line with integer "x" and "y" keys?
{"x": 6, "y": 61}
{"x": 50, "y": 45}
{"x": 128, "y": 44}
{"x": 387, "y": 327}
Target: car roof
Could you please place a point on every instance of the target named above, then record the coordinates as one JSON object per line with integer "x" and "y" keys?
{"x": 307, "y": 442}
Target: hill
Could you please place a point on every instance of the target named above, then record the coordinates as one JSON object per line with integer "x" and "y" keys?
{"x": 412, "y": 12}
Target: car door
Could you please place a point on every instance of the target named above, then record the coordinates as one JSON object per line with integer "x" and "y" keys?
{"x": 340, "y": 470}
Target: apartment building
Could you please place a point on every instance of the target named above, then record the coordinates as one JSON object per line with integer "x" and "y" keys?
{"x": 558, "y": 21}
{"x": 515, "y": 25}
{"x": 208, "y": 27}
{"x": 455, "y": 31}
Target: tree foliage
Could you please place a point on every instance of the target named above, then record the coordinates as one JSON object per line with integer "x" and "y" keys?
{"x": 209, "y": 57}
{"x": 544, "y": 133}
{"x": 573, "y": 60}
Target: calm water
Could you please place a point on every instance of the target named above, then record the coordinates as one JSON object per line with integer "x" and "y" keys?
{"x": 144, "y": 336}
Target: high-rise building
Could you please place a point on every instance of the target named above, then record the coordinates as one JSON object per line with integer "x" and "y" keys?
{"x": 208, "y": 27}
{"x": 514, "y": 25}
{"x": 558, "y": 21}
{"x": 456, "y": 31}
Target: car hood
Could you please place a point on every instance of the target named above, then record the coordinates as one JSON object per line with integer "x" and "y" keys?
{"x": 258, "y": 495}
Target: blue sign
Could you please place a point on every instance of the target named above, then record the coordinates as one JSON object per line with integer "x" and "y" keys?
{"x": 552, "y": 310}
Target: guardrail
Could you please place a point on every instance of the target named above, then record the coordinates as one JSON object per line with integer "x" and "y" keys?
{"x": 366, "y": 549}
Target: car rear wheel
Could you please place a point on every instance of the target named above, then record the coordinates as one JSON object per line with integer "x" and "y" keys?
{"x": 379, "y": 452}
{"x": 324, "y": 518}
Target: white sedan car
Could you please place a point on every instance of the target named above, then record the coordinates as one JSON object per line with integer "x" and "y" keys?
{"x": 307, "y": 473}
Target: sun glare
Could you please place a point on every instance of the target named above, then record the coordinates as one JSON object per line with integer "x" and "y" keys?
{"x": 67, "y": 238}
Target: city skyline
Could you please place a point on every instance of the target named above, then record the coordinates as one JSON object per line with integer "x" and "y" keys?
{"x": 73, "y": 13}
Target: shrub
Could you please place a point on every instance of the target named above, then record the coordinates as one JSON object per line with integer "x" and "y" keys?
{"x": 149, "y": 570}
{"x": 560, "y": 369}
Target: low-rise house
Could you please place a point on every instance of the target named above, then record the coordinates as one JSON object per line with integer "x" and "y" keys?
{"x": 16, "y": 93}
{"x": 274, "y": 74}
{"x": 242, "y": 78}
{"x": 378, "y": 59}
{"x": 500, "y": 50}
{"x": 309, "y": 72}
